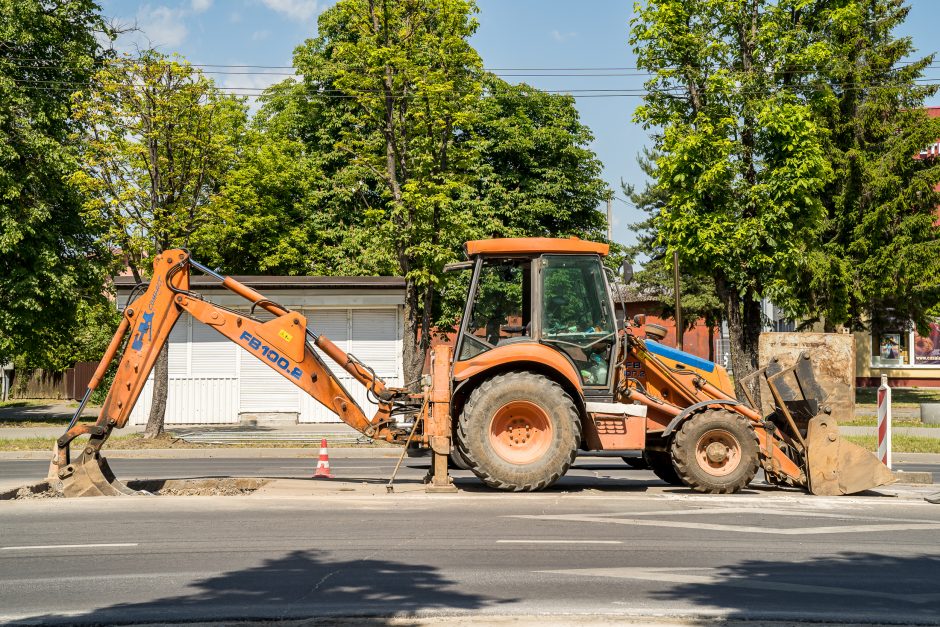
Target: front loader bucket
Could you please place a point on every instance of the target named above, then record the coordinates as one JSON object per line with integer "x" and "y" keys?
{"x": 89, "y": 475}
{"x": 839, "y": 467}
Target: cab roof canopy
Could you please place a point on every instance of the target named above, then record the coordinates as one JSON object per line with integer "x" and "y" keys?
{"x": 533, "y": 245}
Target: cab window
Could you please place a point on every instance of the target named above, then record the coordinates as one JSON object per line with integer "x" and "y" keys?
{"x": 501, "y": 306}
{"x": 576, "y": 314}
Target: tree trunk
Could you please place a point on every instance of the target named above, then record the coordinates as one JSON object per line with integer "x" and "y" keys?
{"x": 160, "y": 384}
{"x": 744, "y": 327}
{"x": 414, "y": 342}
{"x": 711, "y": 343}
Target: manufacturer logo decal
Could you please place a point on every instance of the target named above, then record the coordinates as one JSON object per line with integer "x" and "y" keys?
{"x": 143, "y": 330}
{"x": 271, "y": 355}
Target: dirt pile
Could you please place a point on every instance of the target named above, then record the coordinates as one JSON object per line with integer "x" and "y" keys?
{"x": 212, "y": 487}
{"x": 30, "y": 492}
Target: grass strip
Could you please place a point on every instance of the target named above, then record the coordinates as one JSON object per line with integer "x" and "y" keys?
{"x": 136, "y": 441}
{"x": 872, "y": 421}
{"x": 899, "y": 443}
{"x": 900, "y": 397}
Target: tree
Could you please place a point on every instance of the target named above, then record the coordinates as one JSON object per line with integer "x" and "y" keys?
{"x": 411, "y": 77}
{"x": 697, "y": 291}
{"x": 52, "y": 267}
{"x": 879, "y": 261}
{"x": 159, "y": 136}
{"x": 494, "y": 160}
{"x": 534, "y": 175}
{"x": 741, "y": 158}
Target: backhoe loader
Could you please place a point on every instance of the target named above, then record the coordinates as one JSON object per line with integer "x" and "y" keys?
{"x": 541, "y": 369}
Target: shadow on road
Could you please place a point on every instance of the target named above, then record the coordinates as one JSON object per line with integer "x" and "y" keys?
{"x": 302, "y": 584}
{"x": 851, "y": 586}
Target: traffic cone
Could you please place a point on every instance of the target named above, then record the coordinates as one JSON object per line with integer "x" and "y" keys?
{"x": 323, "y": 464}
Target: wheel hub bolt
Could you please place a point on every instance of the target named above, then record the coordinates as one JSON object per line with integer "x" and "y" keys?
{"x": 716, "y": 452}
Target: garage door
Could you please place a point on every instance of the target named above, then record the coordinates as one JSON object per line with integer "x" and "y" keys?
{"x": 203, "y": 388}
{"x": 372, "y": 335}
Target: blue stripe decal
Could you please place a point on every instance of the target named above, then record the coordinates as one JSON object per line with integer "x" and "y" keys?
{"x": 681, "y": 356}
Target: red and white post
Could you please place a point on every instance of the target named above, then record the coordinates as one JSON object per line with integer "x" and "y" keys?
{"x": 884, "y": 422}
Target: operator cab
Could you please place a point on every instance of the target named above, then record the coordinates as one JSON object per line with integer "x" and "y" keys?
{"x": 539, "y": 290}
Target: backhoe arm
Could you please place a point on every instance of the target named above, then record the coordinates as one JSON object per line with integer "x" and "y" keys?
{"x": 281, "y": 343}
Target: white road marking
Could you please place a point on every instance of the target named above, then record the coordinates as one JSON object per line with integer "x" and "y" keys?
{"x": 763, "y": 511}
{"x": 717, "y": 577}
{"x": 67, "y": 546}
{"x": 559, "y": 542}
{"x": 888, "y": 524}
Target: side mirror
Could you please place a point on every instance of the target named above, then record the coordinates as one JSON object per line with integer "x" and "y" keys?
{"x": 627, "y": 271}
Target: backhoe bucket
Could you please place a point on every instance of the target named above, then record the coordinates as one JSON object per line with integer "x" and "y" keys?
{"x": 89, "y": 475}
{"x": 839, "y": 467}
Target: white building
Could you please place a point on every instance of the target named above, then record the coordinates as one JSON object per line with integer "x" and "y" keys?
{"x": 213, "y": 381}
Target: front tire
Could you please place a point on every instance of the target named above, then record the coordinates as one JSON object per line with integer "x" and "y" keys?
{"x": 519, "y": 431}
{"x": 716, "y": 451}
{"x": 660, "y": 462}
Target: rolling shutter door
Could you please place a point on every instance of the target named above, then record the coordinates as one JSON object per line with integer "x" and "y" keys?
{"x": 334, "y": 325}
{"x": 372, "y": 335}
{"x": 261, "y": 389}
{"x": 375, "y": 340}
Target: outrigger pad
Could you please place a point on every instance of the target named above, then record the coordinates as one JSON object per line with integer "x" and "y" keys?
{"x": 90, "y": 475}
{"x": 839, "y": 467}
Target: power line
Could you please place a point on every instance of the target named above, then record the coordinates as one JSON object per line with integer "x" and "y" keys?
{"x": 54, "y": 84}
{"x": 21, "y": 61}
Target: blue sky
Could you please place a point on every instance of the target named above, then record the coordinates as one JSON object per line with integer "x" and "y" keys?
{"x": 513, "y": 34}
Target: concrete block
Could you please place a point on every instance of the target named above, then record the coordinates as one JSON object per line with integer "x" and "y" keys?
{"x": 833, "y": 356}
{"x": 930, "y": 413}
{"x": 913, "y": 478}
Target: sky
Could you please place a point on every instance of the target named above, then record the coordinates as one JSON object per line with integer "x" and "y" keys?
{"x": 518, "y": 39}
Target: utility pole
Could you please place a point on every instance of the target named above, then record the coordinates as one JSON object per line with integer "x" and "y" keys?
{"x": 610, "y": 226}
{"x": 675, "y": 282}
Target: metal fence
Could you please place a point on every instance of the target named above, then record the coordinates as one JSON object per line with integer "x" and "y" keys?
{"x": 723, "y": 353}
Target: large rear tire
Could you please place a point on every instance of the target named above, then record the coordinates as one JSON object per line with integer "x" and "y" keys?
{"x": 660, "y": 462}
{"x": 716, "y": 451}
{"x": 519, "y": 431}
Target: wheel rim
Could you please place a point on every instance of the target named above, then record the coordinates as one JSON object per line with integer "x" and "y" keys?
{"x": 520, "y": 432}
{"x": 718, "y": 452}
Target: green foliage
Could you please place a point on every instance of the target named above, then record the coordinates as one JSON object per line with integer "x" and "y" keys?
{"x": 880, "y": 254}
{"x": 158, "y": 137}
{"x": 394, "y": 149}
{"x": 49, "y": 257}
{"x": 535, "y": 172}
{"x": 741, "y": 159}
{"x": 655, "y": 279}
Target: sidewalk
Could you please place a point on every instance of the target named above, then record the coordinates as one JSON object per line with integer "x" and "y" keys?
{"x": 326, "y": 429}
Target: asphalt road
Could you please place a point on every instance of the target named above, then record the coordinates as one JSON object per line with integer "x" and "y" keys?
{"x": 612, "y": 469}
{"x": 574, "y": 551}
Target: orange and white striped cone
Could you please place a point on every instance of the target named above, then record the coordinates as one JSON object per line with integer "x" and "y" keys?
{"x": 323, "y": 464}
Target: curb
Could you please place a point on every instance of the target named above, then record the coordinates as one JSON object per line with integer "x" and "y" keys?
{"x": 205, "y": 453}
{"x": 913, "y": 478}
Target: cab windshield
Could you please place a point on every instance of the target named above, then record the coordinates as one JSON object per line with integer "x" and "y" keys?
{"x": 576, "y": 314}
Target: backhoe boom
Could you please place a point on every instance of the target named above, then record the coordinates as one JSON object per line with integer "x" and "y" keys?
{"x": 281, "y": 343}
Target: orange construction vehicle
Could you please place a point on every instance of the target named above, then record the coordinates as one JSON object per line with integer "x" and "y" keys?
{"x": 541, "y": 370}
